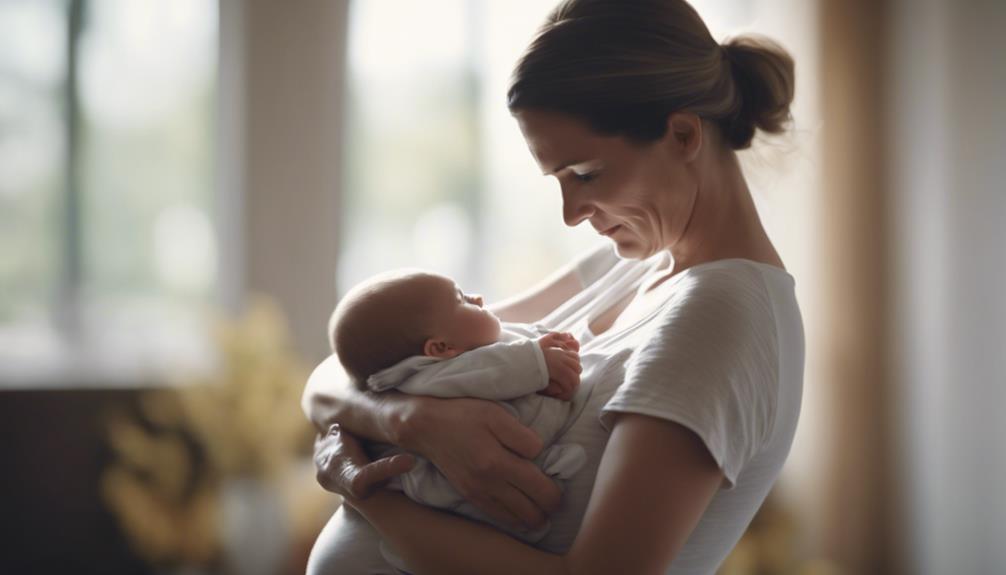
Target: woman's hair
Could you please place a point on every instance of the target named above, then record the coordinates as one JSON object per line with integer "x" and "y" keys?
{"x": 624, "y": 65}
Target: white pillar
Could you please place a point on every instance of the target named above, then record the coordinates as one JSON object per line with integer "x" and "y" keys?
{"x": 282, "y": 99}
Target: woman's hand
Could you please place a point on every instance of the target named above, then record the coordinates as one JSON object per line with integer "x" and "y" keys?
{"x": 344, "y": 468}
{"x": 479, "y": 447}
{"x": 484, "y": 452}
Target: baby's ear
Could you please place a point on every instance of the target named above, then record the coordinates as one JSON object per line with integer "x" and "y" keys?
{"x": 436, "y": 347}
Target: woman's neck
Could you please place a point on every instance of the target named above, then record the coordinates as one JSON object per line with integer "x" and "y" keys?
{"x": 724, "y": 222}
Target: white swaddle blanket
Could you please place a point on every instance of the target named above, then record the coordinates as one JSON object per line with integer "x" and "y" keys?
{"x": 510, "y": 372}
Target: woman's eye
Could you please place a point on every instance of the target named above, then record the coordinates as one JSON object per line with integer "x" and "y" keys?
{"x": 585, "y": 177}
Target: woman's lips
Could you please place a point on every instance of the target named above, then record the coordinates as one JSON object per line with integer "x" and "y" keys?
{"x": 611, "y": 230}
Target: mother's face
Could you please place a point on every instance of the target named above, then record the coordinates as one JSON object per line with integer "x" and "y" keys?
{"x": 640, "y": 195}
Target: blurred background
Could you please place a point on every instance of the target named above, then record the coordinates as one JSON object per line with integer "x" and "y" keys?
{"x": 186, "y": 187}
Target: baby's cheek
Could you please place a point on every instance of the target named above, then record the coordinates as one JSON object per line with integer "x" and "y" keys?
{"x": 491, "y": 327}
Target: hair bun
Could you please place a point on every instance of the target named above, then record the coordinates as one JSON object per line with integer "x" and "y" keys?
{"x": 763, "y": 74}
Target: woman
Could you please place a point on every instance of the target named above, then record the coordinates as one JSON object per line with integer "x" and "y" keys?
{"x": 691, "y": 339}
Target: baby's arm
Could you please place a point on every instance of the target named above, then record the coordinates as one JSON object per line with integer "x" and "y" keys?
{"x": 501, "y": 371}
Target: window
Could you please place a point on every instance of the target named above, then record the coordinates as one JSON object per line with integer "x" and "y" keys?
{"x": 107, "y": 250}
{"x": 437, "y": 173}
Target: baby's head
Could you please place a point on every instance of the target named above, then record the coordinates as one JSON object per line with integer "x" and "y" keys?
{"x": 403, "y": 313}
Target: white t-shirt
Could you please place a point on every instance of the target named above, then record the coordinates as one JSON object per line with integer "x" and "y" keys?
{"x": 723, "y": 356}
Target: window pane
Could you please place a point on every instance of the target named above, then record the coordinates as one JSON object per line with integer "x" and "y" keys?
{"x": 412, "y": 148}
{"x": 32, "y": 67}
{"x": 147, "y": 99}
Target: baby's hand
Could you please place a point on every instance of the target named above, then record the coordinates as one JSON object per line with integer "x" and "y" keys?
{"x": 565, "y": 340}
{"x": 563, "y": 364}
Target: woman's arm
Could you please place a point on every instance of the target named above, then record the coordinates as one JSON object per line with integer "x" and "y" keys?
{"x": 538, "y": 301}
{"x": 654, "y": 482}
{"x": 479, "y": 447}
{"x": 330, "y": 397}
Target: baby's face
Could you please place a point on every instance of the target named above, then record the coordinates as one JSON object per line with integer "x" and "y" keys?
{"x": 461, "y": 318}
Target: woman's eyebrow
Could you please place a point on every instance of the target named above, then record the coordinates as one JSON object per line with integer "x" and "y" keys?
{"x": 561, "y": 167}
{"x": 565, "y": 165}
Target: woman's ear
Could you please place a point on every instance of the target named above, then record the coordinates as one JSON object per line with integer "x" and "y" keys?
{"x": 436, "y": 347}
{"x": 684, "y": 132}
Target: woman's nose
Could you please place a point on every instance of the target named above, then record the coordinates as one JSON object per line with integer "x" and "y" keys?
{"x": 574, "y": 210}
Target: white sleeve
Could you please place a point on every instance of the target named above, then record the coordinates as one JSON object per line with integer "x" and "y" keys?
{"x": 500, "y": 371}
{"x": 712, "y": 366}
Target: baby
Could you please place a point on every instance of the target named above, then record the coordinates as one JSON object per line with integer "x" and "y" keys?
{"x": 417, "y": 332}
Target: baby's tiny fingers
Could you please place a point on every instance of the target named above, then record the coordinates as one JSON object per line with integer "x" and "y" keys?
{"x": 570, "y": 378}
{"x": 570, "y": 344}
{"x": 549, "y": 340}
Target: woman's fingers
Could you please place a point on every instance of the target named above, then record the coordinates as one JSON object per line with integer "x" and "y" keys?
{"x": 367, "y": 478}
{"x": 507, "y": 501}
{"x": 484, "y": 452}
{"x": 534, "y": 491}
{"x": 521, "y": 440}
{"x": 344, "y": 468}
{"x": 334, "y": 461}
{"x": 519, "y": 505}
{"x": 530, "y": 482}
{"x": 497, "y": 511}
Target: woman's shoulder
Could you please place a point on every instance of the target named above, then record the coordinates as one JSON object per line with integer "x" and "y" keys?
{"x": 711, "y": 361}
{"x": 728, "y": 288}
{"x": 735, "y": 275}
{"x": 724, "y": 313}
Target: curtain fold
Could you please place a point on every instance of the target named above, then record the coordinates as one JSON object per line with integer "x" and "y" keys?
{"x": 858, "y": 512}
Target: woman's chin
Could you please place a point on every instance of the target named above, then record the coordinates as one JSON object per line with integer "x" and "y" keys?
{"x": 629, "y": 250}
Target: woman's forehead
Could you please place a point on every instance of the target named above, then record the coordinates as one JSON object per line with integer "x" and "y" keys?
{"x": 557, "y": 140}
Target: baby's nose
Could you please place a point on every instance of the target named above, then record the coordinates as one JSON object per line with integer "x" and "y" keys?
{"x": 477, "y": 299}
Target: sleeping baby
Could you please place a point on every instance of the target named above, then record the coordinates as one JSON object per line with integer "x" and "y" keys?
{"x": 417, "y": 332}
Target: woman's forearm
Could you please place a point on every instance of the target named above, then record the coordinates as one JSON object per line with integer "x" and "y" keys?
{"x": 330, "y": 397}
{"x": 540, "y": 300}
{"x": 436, "y": 542}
